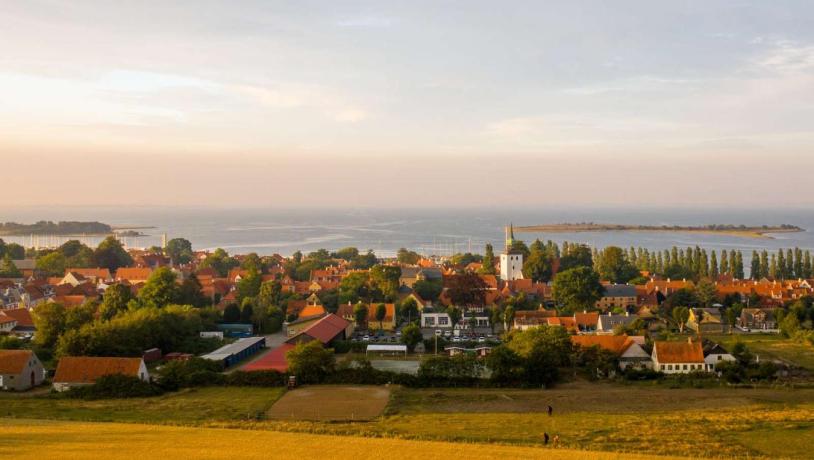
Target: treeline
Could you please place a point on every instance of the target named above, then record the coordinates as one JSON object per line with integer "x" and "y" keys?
{"x": 44, "y": 227}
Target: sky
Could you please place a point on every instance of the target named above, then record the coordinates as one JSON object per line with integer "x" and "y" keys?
{"x": 407, "y": 104}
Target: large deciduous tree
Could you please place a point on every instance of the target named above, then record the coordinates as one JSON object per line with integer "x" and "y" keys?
{"x": 577, "y": 289}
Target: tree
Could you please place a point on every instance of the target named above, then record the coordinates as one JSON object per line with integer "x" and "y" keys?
{"x": 488, "y": 263}
{"x": 755, "y": 273}
{"x": 614, "y": 266}
{"x": 179, "y": 250}
{"x": 577, "y": 256}
{"x": 577, "y": 289}
{"x": 246, "y": 311}
{"x": 411, "y": 336}
{"x": 354, "y": 287}
{"x": 454, "y": 315}
{"x": 407, "y": 257}
{"x": 191, "y": 292}
{"x": 680, "y": 298}
{"x": 360, "y": 314}
{"x": 111, "y": 255}
{"x": 49, "y": 319}
{"x": 680, "y": 316}
{"x": 310, "y": 361}
{"x": 713, "y": 266}
{"x": 381, "y": 312}
{"x": 789, "y": 325}
{"x": 385, "y": 279}
{"x": 508, "y": 318}
{"x": 8, "y": 269}
{"x": 543, "y": 350}
{"x": 220, "y": 262}
{"x": 269, "y": 294}
{"x": 15, "y": 251}
{"x": 78, "y": 316}
{"x": 364, "y": 261}
{"x": 428, "y": 289}
{"x": 161, "y": 289}
{"x": 347, "y": 254}
{"x": 52, "y": 264}
{"x": 115, "y": 300}
{"x": 249, "y": 285}
{"x": 231, "y": 314}
{"x": 538, "y": 266}
{"x": 706, "y": 292}
{"x": 467, "y": 290}
{"x": 409, "y": 309}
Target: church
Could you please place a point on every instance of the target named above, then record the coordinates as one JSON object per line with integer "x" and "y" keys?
{"x": 511, "y": 260}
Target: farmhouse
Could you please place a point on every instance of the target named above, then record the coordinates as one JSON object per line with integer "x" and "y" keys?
{"x": 715, "y": 354}
{"x": 20, "y": 370}
{"x": 73, "y": 371}
{"x": 630, "y": 353}
{"x": 679, "y": 357}
{"x": 25, "y": 324}
{"x": 707, "y": 319}
{"x": 235, "y": 352}
{"x": 607, "y": 323}
{"x": 758, "y": 318}
{"x": 617, "y": 296}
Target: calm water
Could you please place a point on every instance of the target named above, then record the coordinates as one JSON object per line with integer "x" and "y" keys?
{"x": 426, "y": 231}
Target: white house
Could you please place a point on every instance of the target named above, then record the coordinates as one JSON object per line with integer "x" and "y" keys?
{"x": 628, "y": 349}
{"x": 715, "y": 354}
{"x": 436, "y": 320}
{"x": 20, "y": 370}
{"x": 679, "y": 357}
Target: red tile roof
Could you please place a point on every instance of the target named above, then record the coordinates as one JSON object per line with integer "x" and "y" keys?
{"x": 21, "y": 315}
{"x": 613, "y": 343}
{"x": 324, "y": 330}
{"x": 272, "y": 361}
{"x": 679, "y": 352}
{"x": 14, "y": 361}
{"x": 85, "y": 369}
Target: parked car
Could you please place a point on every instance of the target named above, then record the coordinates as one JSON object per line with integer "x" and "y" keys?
{"x": 366, "y": 338}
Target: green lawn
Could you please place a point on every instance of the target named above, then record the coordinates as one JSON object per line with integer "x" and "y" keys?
{"x": 184, "y": 407}
{"x": 714, "y": 422}
{"x": 771, "y": 346}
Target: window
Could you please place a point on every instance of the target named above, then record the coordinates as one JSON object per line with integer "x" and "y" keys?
{"x": 685, "y": 367}
{"x": 662, "y": 366}
{"x": 443, "y": 321}
{"x": 719, "y": 357}
{"x": 429, "y": 321}
{"x": 669, "y": 367}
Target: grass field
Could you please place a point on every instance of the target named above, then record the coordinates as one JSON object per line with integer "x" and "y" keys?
{"x": 39, "y": 440}
{"x": 331, "y": 403}
{"x": 184, "y": 407}
{"x": 772, "y": 346}
{"x": 711, "y": 422}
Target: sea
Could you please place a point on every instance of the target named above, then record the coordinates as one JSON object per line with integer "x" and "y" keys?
{"x": 427, "y": 231}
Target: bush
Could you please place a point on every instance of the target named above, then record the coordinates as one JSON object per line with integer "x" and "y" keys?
{"x": 345, "y": 346}
{"x": 191, "y": 373}
{"x": 256, "y": 379}
{"x": 115, "y": 386}
{"x": 642, "y": 374}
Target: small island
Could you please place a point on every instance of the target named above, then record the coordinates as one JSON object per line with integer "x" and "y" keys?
{"x": 66, "y": 228}
{"x": 745, "y": 231}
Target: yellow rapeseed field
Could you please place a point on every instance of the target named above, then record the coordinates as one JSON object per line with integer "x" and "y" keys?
{"x": 40, "y": 440}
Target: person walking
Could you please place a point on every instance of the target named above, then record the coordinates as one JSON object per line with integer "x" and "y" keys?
{"x": 556, "y": 441}
{"x": 545, "y": 439}
{"x": 550, "y": 410}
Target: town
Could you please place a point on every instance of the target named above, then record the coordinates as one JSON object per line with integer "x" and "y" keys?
{"x": 110, "y": 322}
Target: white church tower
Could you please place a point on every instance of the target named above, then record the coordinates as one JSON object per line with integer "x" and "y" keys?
{"x": 511, "y": 262}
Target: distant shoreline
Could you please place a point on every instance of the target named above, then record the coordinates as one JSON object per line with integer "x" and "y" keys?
{"x": 70, "y": 229}
{"x": 743, "y": 231}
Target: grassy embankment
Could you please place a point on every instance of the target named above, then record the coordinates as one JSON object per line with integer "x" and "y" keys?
{"x": 772, "y": 346}
{"x": 599, "y": 417}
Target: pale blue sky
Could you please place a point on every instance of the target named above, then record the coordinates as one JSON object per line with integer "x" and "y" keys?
{"x": 623, "y": 102}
